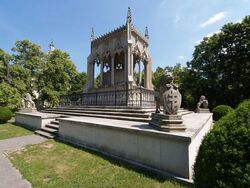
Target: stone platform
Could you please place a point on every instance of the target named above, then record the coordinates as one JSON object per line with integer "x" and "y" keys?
{"x": 172, "y": 153}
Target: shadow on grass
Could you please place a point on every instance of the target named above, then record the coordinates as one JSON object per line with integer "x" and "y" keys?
{"x": 119, "y": 162}
{"x": 23, "y": 126}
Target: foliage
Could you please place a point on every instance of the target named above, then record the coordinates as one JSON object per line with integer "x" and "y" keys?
{"x": 11, "y": 130}
{"x": 20, "y": 78}
{"x": 9, "y": 96}
{"x": 5, "y": 58}
{"x": 220, "y": 111}
{"x": 30, "y": 57}
{"x": 220, "y": 68}
{"x": 223, "y": 157}
{"x": 55, "y": 77}
{"x": 5, "y": 114}
{"x": 78, "y": 167}
{"x": 157, "y": 75}
{"x": 78, "y": 83}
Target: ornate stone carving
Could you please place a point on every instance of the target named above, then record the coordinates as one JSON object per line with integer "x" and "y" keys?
{"x": 170, "y": 98}
{"x": 27, "y": 103}
{"x": 202, "y": 105}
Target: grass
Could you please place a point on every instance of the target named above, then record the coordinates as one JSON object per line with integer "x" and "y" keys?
{"x": 56, "y": 164}
{"x": 10, "y": 130}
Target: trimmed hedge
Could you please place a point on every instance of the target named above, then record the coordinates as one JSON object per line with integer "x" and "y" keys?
{"x": 5, "y": 114}
{"x": 223, "y": 157}
{"x": 220, "y": 111}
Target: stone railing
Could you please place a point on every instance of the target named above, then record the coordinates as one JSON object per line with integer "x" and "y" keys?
{"x": 138, "y": 97}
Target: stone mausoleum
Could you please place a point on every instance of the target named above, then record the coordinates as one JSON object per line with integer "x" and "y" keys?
{"x": 125, "y": 69}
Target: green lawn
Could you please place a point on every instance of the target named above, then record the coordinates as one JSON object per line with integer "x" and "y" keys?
{"x": 55, "y": 164}
{"x": 10, "y": 130}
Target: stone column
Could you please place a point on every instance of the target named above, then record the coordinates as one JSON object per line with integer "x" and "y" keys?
{"x": 132, "y": 66}
{"x": 90, "y": 75}
{"x": 140, "y": 73}
{"x": 145, "y": 74}
{"x": 149, "y": 84}
{"x": 101, "y": 72}
{"x": 125, "y": 67}
{"x": 113, "y": 70}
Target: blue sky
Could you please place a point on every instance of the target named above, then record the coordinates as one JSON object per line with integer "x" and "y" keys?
{"x": 175, "y": 27}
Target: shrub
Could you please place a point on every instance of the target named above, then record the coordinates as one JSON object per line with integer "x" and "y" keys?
{"x": 9, "y": 96}
{"x": 223, "y": 157}
{"x": 5, "y": 114}
{"x": 220, "y": 111}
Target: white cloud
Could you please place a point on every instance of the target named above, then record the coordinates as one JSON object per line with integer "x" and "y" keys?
{"x": 208, "y": 35}
{"x": 238, "y": 21}
{"x": 181, "y": 57}
{"x": 215, "y": 18}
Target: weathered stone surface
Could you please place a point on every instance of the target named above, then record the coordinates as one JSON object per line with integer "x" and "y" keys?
{"x": 170, "y": 99}
{"x": 28, "y": 104}
{"x": 202, "y": 105}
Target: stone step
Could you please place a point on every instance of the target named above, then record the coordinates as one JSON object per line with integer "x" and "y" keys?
{"x": 49, "y": 130}
{"x": 127, "y": 118}
{"x": 45, "y": 134}
{"x": 112, "y": 109}
{"x": 143, "y": 115}
{"x": 52, "y": 125}
{"x": 56, "y": 122}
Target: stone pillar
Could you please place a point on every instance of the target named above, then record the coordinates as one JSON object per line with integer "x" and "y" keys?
{"x": 149, "y": 74}
{"x": 145, "y": 74}
{"x": 132, "y": 66}
{"x": 125, "y": 67}
{"x": 140, "y": 73}
{"x": 101, "y": 72}
{"x": 113, "y": 70}
{"x": 92, "y": 74}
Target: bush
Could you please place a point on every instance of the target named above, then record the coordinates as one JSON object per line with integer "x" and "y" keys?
{"x": 223, "y": 157}
{"x": 220, "y": 111}
{"x": 5, "y": 114}
{"x": 9, "y": 96}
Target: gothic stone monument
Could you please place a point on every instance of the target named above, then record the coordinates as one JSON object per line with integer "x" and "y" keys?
{"x": 117, "y": 53}
{"x": 125, "y": 73}
{"x": 170, "y": 99}
{"x": 202, "y": 105}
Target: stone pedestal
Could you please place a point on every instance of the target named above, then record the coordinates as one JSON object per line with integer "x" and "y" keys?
{"x": 167, "y": 122}
{"x": 202, "y": 110}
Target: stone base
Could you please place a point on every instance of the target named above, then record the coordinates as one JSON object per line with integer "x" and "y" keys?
{"x": 202, "y": 110}
{"x": 167, "y": 123}
{"x": 27, "y": 110}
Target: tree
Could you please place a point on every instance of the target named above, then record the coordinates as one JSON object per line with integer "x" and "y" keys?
{"x": 5, "y": 58}
{"x": 9, "y": 96}
{"x": 78, "y": 82}
{"x": 220, "y": 68}
{"x": 55, "y": 76}
{"x": 29, "y": 56}
{"x": 157, "y": 75}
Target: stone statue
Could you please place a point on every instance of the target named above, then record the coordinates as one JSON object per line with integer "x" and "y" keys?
{"x": 170, "y": 98}
{"x": 169, "y": 95}
{"x": 202, "y": 105}
{"x": 27, "y": 103}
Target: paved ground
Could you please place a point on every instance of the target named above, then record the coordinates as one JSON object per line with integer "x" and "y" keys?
{"x": 10, "y": 177}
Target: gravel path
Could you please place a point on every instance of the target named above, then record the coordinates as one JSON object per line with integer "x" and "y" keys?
{"x": 10, "y": 177}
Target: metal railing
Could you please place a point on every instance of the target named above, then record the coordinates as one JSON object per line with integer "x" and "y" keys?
{"x": 138, "y": 97}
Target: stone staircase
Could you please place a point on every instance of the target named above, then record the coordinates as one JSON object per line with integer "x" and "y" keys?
{"x": 128, "y": 114}
{"x": 50, "y": 130}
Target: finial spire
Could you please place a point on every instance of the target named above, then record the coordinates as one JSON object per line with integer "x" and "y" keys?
{"x": 92, "y": 34}
{"x": 146, "y": 33}
{"x": 51, "y": 46}
{"x": 129, "y": 17}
